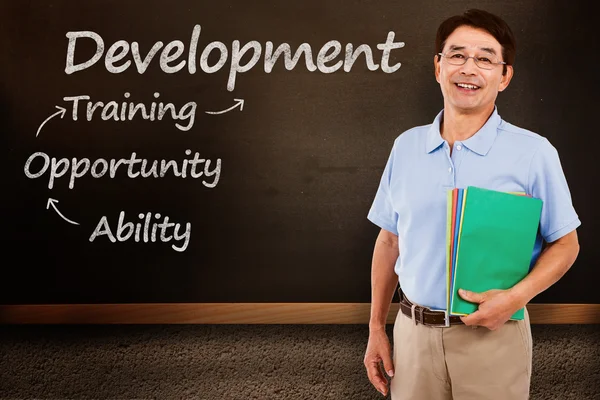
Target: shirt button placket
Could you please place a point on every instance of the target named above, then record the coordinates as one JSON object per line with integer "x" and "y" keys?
{"x": 450, "y": 168}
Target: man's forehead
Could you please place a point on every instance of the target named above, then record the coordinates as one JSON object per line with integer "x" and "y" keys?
{"x": 467, "y": 38}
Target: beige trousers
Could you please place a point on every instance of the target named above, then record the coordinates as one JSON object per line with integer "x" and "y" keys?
{"x": 461, "y": 362}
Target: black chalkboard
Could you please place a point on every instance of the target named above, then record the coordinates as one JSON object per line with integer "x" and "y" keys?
{"x": 299, "y": 162}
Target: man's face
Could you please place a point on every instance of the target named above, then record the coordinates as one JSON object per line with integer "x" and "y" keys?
{"x": 452, "y": 78}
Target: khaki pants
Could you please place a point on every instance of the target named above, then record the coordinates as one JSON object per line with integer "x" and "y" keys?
{"x": 461, "y": 362}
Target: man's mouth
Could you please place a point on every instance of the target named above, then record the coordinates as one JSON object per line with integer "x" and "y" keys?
{"x": 467, "y": 86}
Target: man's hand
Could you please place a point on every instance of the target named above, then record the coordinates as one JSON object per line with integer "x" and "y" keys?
{"x": 378, "y": 350}
{"x": 495, "y": 307}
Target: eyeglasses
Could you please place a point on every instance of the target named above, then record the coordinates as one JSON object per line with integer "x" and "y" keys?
{"x": 482, "y": 61}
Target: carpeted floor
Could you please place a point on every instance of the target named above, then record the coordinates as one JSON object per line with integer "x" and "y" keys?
{"x": 241, "y": 362}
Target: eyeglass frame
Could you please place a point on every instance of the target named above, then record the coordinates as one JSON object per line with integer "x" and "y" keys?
{"x": 474, "y": 60}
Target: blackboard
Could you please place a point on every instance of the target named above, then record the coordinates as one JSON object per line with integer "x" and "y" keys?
{"x": 297, "y": 163}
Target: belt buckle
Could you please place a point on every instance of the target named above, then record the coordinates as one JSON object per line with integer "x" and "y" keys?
{"x": 446, "y": 323}
{"x": 413, "y": 314}
{"x": 421, "y": 318}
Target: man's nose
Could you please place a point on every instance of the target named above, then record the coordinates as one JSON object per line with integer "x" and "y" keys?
{"x": 469, "y": 67}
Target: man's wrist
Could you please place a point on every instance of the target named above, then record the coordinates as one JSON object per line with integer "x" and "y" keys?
{"x": 520, "y": 295}
{"x": 376, "y": 326}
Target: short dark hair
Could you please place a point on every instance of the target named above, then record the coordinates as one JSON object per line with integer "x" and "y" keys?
{"x": 480, "y": 19}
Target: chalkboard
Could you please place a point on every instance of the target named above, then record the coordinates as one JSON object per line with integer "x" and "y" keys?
{"x": 282, "y": 158}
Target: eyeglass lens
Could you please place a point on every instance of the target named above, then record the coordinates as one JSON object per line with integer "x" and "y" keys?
{"x": 486, "y": 61}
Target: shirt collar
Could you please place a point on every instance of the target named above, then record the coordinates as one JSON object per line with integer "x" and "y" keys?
{"x": 434, "y": 137}
{"x": 480, "y": 143}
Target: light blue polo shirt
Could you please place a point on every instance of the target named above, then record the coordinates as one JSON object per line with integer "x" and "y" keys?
{"x": 411, "y": 199}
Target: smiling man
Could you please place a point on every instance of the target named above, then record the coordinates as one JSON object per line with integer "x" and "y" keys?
{"x": 484, "y": 355}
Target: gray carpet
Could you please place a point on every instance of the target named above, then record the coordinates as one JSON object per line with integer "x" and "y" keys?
{"x": 241, "y": 362}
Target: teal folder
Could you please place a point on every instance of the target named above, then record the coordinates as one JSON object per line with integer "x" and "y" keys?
{"x": 496, "y": 240}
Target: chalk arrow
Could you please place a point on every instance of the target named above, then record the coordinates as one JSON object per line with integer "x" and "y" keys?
{"x": 238, "y": 102}
{"x": 52, "y": 202}
{"x": 60, "y": 111}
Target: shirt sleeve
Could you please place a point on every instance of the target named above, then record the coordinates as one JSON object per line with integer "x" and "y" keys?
{"x": 382, "y": 211}
{"x": 548, "y": 183}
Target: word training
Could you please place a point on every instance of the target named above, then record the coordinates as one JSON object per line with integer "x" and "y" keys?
{"x": 136, "y": 167}
{"x": 170, "y": 62}
{"x": 144, "y": 231}
{"x": 126, "y": 111}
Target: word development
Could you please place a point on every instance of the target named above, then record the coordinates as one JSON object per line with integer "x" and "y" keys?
{"x": 144, "y": 231}
{"x": 169, "y": 61}
{"x": 135, "y": 167}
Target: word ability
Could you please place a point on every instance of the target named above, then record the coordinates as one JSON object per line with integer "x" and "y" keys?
{"x": 145, "y": 231}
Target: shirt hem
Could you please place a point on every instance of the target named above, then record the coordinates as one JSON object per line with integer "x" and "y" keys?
{"x": 382, "y": 224}
{"x": 563, "y": 231}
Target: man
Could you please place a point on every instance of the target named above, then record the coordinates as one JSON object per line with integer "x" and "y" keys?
{"x": 484, "y": 355}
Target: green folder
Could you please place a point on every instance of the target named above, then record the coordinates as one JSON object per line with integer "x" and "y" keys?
{"x": 496, "y": 241}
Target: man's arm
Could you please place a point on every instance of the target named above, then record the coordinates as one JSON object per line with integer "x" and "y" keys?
{"x": 383, "y": 283}
{"x": 497, "y": 306}
{"x": 383, "y": 278}
{"x": 556, "y": 259}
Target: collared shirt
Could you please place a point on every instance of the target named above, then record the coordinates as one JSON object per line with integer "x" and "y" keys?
{"x": 411, "y": 199}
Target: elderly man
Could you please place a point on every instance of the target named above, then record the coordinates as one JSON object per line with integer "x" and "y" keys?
{"x": 484, "y": 355}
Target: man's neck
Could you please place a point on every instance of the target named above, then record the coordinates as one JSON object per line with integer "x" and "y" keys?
{"x": 458, "y": 126}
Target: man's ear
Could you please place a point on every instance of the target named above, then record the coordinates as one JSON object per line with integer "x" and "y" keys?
{"x": 506, "y": 78}
{"x": 436, "y": 66}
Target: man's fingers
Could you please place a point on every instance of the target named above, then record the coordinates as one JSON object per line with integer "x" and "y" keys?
{"x": 472, "y": 319}
{"x": 376, "y": 377}
{"x": 473, "y": 297}
{"x": 372, "y": 371}
{"x": 383, "y": 382}
{"x": 388, "y": 365}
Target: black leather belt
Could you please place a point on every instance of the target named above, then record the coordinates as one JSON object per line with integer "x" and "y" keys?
{"x": 425, "y": 315}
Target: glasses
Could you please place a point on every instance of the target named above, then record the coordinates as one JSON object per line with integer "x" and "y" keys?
{"x": 482, "y": 61}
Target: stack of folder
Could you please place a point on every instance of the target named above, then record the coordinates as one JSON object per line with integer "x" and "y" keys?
{"x": 490, "y": 241}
